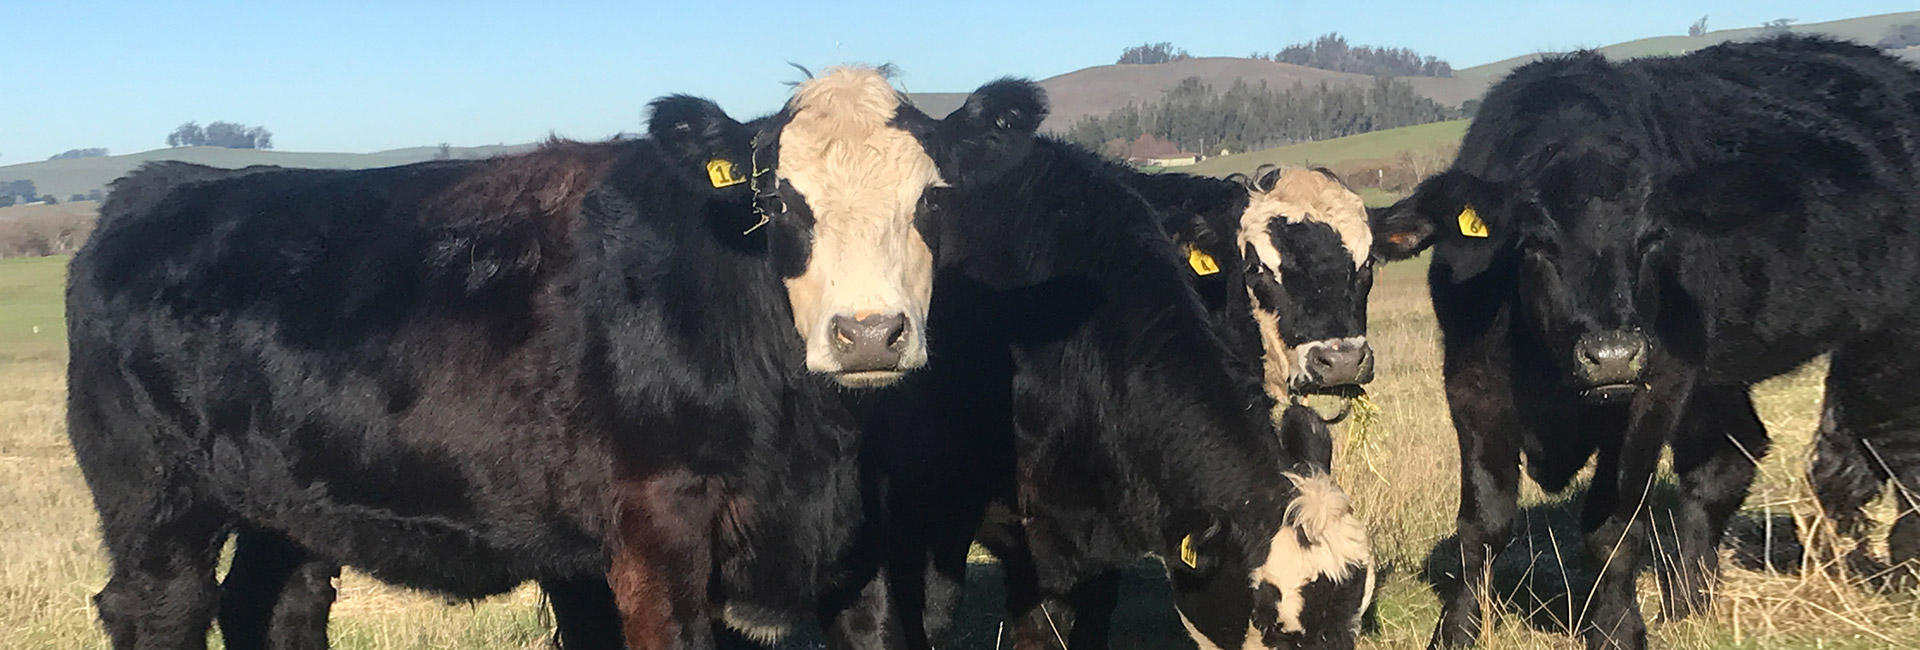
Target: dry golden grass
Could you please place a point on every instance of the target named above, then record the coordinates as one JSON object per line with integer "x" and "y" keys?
{"x": 1403, "y": 477}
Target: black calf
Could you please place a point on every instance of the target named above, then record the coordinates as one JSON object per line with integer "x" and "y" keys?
{"x": 1622, "y": 249}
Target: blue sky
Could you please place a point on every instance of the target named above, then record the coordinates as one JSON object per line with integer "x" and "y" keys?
{"x": 366, "y": 75}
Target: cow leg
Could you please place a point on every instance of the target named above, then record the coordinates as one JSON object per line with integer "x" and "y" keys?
{"x": 161, "y": 594}
{"x": 584, "y": 615}
{"x": 663, "y": 560}
{"x": 868, "y": 623}
{"x": 1616, "y": 507}
{"x": 1715, "y": 459}
{"x": 1094, "y": 602}
{"x": 1489, "y": 497}
{"x": 275, "y": 595}
{"x": 1869, "y": 435}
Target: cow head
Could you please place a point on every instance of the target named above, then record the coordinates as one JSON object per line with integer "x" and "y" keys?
{"x": 847, "y": 168}
{"x": 1305, "y": 242}
{"x": 1301, "y": 583}
{"x": 1566, "y": 240}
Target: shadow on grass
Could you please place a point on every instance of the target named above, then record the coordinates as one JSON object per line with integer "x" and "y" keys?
{"x": 1544, "y": 576}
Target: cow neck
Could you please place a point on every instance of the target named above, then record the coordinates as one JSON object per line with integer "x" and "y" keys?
{"x": 1174, "y": 406}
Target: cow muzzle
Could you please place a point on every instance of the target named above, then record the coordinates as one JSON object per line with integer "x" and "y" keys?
{"x": 1333, "y": 365}
{"x": 1608, "y": 365}
{"x": 870, "y": 348}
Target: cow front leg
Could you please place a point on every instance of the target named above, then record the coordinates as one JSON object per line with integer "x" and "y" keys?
{"x": 663, "y": 560}
{"x": 1714, "y": 457}
{"x": 1485, "y": 421}
{"x": 1616, "y": 509}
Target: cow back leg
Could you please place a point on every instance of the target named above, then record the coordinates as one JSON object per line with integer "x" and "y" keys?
{"x": 1714, "y": 454}
{"x": 584, "y": 615}
{"x": 161, "y": 593}
{"x": 1486, "y": 424}
{"x": 1870, "y": 435}
{"x": 1094, "y": 602}
{"x": 275, "y": 595}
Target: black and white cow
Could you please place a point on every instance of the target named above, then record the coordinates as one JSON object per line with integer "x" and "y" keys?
{"x": 1622, "y": 250}
{"x": 576, "y": 366}
{"x": 1073, "y": 376}
{"x": 1283, "y": 262}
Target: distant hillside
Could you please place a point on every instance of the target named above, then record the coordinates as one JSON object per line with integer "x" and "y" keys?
{"x": 1101, "y": 89}
{"x": 64, "y": 178}
{"x": 1866, "y": 29}
{"x": 1366, "y": 146}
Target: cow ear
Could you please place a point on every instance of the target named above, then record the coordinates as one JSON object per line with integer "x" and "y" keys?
{"x": 1455, "y": 213}
{"x": 1306, "y": 439}
{"x": 992, "y": 130}
{"x": 704, "y": 144}
{"x": 1197, "y": 541}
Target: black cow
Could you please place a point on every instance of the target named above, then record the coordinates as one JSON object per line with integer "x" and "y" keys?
{"x": 1074, "y": 376}
{"x": 576, "y": 366}
{"x": 1283, "y": 262}
{"x": 1622, "y": 250}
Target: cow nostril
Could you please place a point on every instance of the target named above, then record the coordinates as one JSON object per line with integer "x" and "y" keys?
{"x": 898, "y": 336}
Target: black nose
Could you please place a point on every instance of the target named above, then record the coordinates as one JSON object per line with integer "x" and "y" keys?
{"x": 1340, "y": 362}
{"x": 869, "y": 341}
{"x": 1610, "y": 358}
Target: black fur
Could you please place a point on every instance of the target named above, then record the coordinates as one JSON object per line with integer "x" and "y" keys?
{"x": 456, "y": 376}
{"x": 1744, "y": 209}
{"x": 1077, "y": 389}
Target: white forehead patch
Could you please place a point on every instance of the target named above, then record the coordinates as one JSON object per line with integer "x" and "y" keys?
{"x": 1335, "y": 545}
{"x": 1305, "y": 195}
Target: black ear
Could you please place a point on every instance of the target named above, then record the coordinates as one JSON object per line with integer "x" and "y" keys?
{"x": 1306, "y": 438}
{"x": 1008, "y": 105}
{"x": 1196, "y": 540}
{"x": 991, "y": 131}
{"x": 1455, "y": 212}
{"x": 706, "y": 145}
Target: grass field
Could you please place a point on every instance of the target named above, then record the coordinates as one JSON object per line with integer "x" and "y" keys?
{"x": 1402, "y": 477}
{"x": 1378, "y": 144}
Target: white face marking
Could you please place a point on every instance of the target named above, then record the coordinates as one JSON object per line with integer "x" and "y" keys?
{"x": 1251, "y": 641}
{"x": 1299, "y": 195}
{"x": 1337, "y": 544}
{"x": 862, "y": 179}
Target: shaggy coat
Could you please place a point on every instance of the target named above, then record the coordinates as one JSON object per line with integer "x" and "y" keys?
{"x": 569, "y": 366}
{"x": 1075, "y": 384}
{"x": 1622, "y": 250}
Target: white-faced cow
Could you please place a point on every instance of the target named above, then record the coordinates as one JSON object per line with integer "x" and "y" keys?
{"x": 576, "y": 366}
{"x": 1622, "y": 250}
{"x": 1074, "y": 377}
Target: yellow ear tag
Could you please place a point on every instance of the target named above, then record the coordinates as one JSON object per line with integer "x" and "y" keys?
{"x": 1186, "y": 553}
{"x": 722, "y": 173}
{"x": 1470, "y": 223}
{"x": 1202, "y": 263}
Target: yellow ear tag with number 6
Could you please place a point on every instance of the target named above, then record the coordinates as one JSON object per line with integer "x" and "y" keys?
{"x": 1202, "y": 263}
{"x": 1471, "y": 225}
{"x": 1186, "y": 553}
{"x": 721, "y": 172}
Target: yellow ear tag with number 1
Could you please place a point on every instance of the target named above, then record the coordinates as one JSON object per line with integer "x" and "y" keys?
{"x": 1471, "y": 225}
{"x": 1202, "y": 263}
{"x": 721, "y": 172}
{"x": 1186, "y": 553}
